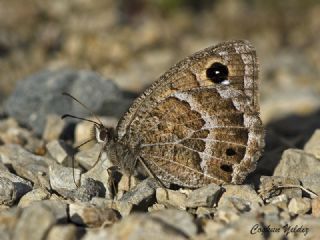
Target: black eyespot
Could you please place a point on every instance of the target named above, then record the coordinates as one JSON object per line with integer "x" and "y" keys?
{"x": 226, "y": 168}
{"x": 217, "y": 72}
{"x": 103, "y": 135}
{"x": 230, "y": 152}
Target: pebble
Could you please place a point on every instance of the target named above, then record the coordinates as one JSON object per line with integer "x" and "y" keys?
{"x": 53, "y": 128}
{"x": 313, "y": 145}
{"x": 141, "y": 192}
{"x": 299, "y": 205}
{"x": 92, "y": 216}
{"x": 65, "y": 232}
{"x": 206, "y": 196}
{"x": 315, "y": 205}
{"x": 46, "y": 87}
{"x": 58, "y": 150}
{"x": 296, "y": 163}
{"x": 312, "y": 182}
{"x": 8, "y": 192}
{"x": 17, "y": 187}
{"x": 34, "y": 223}
{"x": 61, "y": 179}
{"x": 37, "y": 194}
{"x": 245, "y": 193}
{"x": 171, "y": 198}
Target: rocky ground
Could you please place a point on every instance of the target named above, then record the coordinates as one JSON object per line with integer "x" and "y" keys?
{"x": 39, "y": 198}
{"x": 120, "y": 47}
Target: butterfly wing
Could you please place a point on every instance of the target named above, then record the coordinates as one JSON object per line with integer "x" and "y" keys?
{"x": 199, "y": 123}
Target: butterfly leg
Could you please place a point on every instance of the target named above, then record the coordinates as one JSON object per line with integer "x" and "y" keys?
{"x": 151, "y": 174}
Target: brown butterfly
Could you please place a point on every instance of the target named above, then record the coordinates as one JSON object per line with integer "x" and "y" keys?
{"x": 197, "y": 124}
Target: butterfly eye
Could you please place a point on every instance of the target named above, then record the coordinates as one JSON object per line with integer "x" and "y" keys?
{"x": 218, "y": 73}
{"x": 103, "y": 135}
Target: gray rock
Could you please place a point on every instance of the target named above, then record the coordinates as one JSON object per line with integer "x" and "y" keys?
{"x": 312, "y": 182}
{"x": 57, "y": 207}
{"x": 65, "y": 232}
{"x": 32, "y": 196}
{"x": 58, "y": 150}
{"x": 89, "y": 189}
{"x": 124, "y": 207}
{"x": 296, "y": 163}
{"x": 8, "y": 192}
{"x": 34, "y": 223}
{"x": 8, "y": 218}
{"x": 100, "y": 174}
{"x": 299, "y": 205}
{"x": 171, "y": 198}
{"x": 313, "y": 145}
{"x": 61, "y": 179}
{"x": 315, "y": 205}
{"x": 271, "y": 186}
{"x": 143, "y": 191}
{"x": 242, "y": 194}
{"x": 92, "y": 216}
{"x": 53, "y": 128}
{"x": 138, "y": 226}
{"x": 13, "y": 185}
{"x": 26, "y": 164}
{"x": 46, "y": 87}
{"x": 181, "y": 220}
{"x": 88, "y": 157}
{"x": 206, "y": 196}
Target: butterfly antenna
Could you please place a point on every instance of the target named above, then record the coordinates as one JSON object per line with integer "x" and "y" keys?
{"x": 83, "y": 105}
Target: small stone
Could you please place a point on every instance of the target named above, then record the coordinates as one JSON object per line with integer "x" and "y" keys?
{"x": 238, "y": 205}
{"x": 315, "y": 205}
{"x": 138, "y": 226}
{"x": 205, "y": 212}
{"x": 34, "y": 223}
{"x": 8, "y": 192}
{"x": 32, "y": 196}
{"x": 88, "y": 157}
{"x": 312, "y": 182}
{"x": 25, "y": 164}
{"x": 271, "y": 186}
{"x": 89, "y": 189}
{"x": 65, "y": 232}
{"x": 124, "y": 207}
{"x": 59, "y": 208}
{"x": 101, "y": 176}
{"x": 313, "y": 145}
{"x": 242, "y": 194}
{"x": 296, "y": 163}
{"x": 53, "y": 128}
{"x": 206, "y": 196}
{"x": 61, "y": 179}
{"x": 19, "y": 188}
{"x": 299, "y": 205}
{"x": 8, "y": 219}
{"x": 171, "y": 198}
{"x": 92, "y": 216}
{"x": 226, "y": 215}
{"x": 211, "y": 228}
{"x": 156, "y": 207}
{"x": 142, "y": 192}
{"x": 178, "y": 219}
{"x": 57, "y": 150}
{"x": 103, "y": 202}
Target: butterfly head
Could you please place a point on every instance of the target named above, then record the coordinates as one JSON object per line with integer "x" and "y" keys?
{"x": 102, "y": 134}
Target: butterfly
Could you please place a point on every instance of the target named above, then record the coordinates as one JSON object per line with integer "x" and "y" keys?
{"x": 197, "y": 124}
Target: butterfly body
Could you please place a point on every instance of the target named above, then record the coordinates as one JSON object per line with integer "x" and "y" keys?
{"x": 199, "y": 123}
